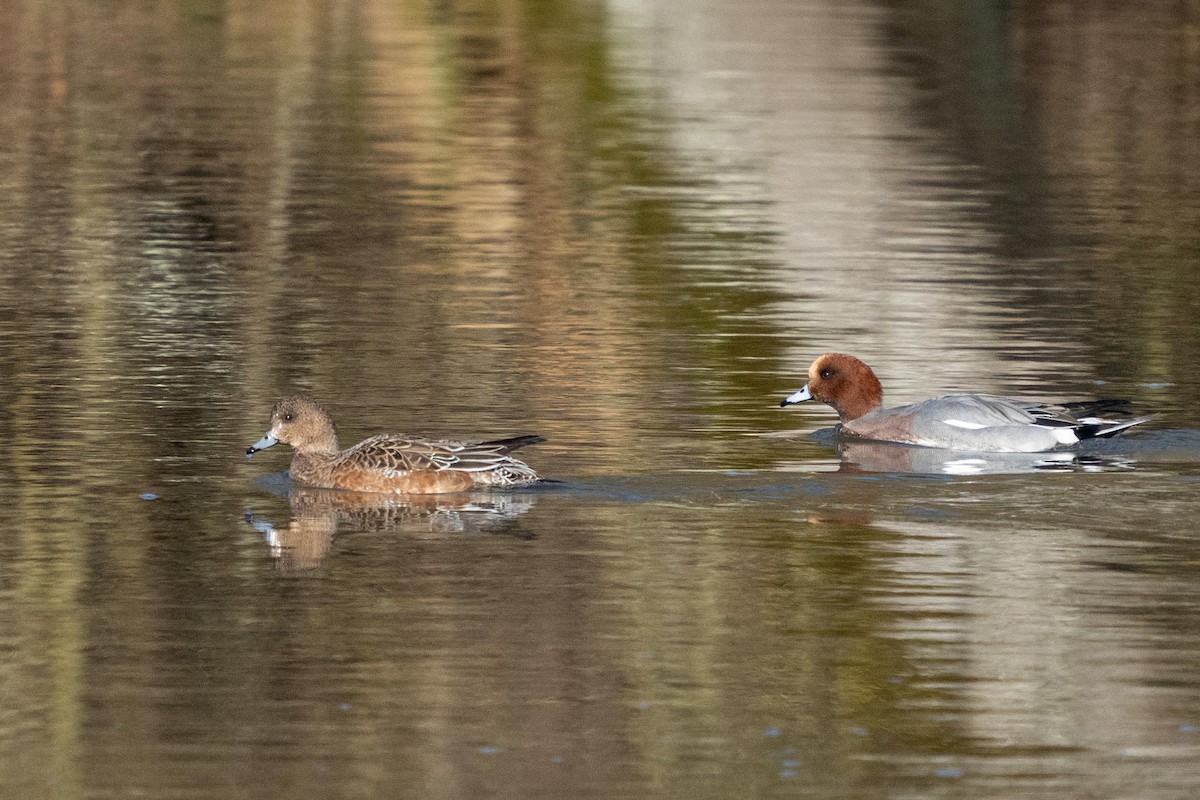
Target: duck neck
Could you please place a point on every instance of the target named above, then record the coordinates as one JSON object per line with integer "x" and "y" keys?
{"x": 864, "y": 397}
{"x": 314, "y": 461}
{"x": 310, "y": 467}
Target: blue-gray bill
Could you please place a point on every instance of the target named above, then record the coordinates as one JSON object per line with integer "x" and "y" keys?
{"x": 262, "y": 444}
{"x": 798, "y": 397}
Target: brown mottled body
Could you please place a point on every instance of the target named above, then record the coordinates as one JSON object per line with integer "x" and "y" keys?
{"x": 349, "y": 476}
{"x": 389, "y": 463}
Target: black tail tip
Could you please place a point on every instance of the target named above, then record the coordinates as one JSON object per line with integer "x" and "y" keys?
{"x": 517, "y": 442}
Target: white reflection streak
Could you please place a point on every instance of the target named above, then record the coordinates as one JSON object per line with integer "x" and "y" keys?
{"x": 875, "y": 259}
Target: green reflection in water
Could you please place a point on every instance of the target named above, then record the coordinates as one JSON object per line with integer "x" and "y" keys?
{"x": 472, "y": 219}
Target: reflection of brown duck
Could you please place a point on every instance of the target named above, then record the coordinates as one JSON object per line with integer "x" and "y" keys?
{"x": 389, "y": 463}
{"x": 366, "y": 511}
{"x": 318, "y": 514}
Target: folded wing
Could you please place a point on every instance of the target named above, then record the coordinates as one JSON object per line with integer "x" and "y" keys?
{"x": 400, "y": 456}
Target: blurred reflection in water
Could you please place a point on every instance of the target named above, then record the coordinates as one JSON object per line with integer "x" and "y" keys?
{"x": 984, "y": 203}
{"x": 884, "y": 457}
{"x": 627, "y": 227}
{"x": 318, "y": 514}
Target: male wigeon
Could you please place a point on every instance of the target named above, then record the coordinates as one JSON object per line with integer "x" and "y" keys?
{"x": 388, "y": 463}
{"x": 975, "y": 422}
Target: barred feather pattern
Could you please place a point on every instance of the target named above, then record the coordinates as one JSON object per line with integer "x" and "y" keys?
{"x": 488, "y": 462}
{"x": 393, "y": 464}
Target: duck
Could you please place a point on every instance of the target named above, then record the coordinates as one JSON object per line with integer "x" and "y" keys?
{"x": 967, "y": 422}
{"x": 388, "y": 463}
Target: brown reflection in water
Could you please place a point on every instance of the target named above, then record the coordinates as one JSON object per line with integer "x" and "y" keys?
{"x": 452, "y": 215}
{"x": 211, "y": 204}
{"x": 318, "y": 514}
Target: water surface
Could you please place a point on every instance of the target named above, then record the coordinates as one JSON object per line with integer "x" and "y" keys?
{"x": 629, "y": 228}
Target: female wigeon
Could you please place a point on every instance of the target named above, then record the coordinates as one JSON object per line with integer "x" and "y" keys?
{"x": 388, "y": 463}
{"x": 975, "y": 422}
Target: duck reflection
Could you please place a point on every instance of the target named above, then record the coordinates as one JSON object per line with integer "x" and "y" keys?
{"x": 319, "y": 514}
{"x": 869, "y": 456}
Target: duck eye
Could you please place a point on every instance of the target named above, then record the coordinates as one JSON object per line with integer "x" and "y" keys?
{"x": 287, "y": 417}
{"x": 826, "y": 373}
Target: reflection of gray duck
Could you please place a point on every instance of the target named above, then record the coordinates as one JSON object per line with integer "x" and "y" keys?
{"x": 390, "y": 463}
{"x": 868, "y": 456}
{"x": 969, "y": 422}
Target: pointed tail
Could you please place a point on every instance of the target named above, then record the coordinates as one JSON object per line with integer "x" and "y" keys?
{"x": 513, "y": 443}
{"x": 1103, "y": 428}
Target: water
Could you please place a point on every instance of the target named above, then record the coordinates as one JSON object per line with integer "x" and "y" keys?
{"x": 628, "y": 228}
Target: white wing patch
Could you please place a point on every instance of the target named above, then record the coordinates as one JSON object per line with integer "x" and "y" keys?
{"x": 958, "y": 423}
{"x": 1064, "y": 435}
